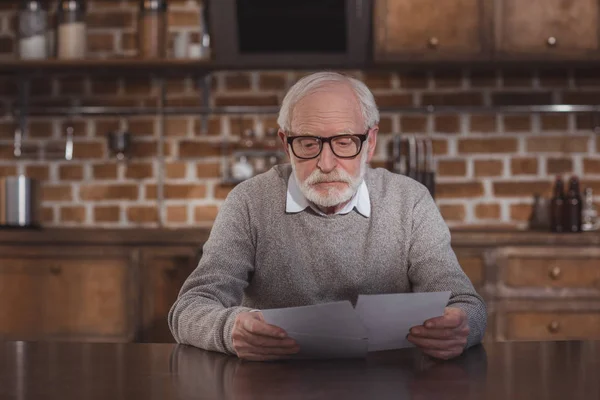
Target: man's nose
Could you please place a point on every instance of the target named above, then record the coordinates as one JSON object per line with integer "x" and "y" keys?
{"x": 327, "y": 160}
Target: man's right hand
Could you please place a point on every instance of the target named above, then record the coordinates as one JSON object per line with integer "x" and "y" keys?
{"x": 255, "y": 340}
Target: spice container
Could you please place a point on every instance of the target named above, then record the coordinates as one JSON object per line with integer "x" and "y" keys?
{"x": 33, "y": 26}
{"x": 152, "y": 29}
{"x": 71, "y": 29}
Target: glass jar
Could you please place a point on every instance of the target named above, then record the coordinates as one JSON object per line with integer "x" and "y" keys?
{"x": 71, "y": 29}
{"x": 152, "y": 29}
{"x": 33, "y": 27}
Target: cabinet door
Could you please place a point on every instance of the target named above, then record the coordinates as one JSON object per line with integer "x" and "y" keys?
{"x": 550, "y": 28}
{"x": 449, "y": 29}
{"x": 82, "y": 297}
{"x": 163, "y": 273}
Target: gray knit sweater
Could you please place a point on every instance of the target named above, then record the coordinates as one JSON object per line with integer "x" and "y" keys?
{"x": 260, "y": 257}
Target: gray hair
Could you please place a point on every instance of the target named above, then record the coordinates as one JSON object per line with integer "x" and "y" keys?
{"x": 309, "y": 83}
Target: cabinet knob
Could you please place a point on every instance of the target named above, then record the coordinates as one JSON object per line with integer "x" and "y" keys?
{"x": 554, "y": 327}
{"x": 554, "y": 273}
{"x": 55, "y": 269}
{"x": 552, "y": 42}
{"x": 433, "y": 42}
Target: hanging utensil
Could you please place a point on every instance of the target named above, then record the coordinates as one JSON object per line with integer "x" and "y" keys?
{"x": 69, "y": 144}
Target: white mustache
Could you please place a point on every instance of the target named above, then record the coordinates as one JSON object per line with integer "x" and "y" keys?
{"x": 334, "y": 176}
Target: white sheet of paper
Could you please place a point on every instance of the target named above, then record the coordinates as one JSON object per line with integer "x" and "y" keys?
{"x": 388, "y": 317}
{"x": 328, "y": 330}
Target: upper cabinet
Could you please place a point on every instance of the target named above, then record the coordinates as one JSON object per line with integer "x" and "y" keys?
{"x": 564, "y": 29}
{"x": 430, "y": 29}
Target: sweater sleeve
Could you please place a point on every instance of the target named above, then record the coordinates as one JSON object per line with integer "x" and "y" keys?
{"x": 433, "y": 266}
{"x": 209, "y": 301}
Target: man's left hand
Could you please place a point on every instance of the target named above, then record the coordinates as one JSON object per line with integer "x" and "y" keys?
{"x": 442, "y": 337}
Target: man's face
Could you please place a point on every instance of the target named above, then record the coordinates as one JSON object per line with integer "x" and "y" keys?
{"x": 328, "y": 180}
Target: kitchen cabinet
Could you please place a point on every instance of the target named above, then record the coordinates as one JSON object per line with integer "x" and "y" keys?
{"x": 563, "y": 29}
{"x": 430, "y": 29}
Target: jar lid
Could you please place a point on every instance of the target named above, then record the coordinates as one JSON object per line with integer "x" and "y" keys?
{"x": 71, "y": 5}
{"x": 153, "y": 5}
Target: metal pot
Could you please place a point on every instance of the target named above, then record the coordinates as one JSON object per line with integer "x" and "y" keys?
{"x": 19, "y": 201}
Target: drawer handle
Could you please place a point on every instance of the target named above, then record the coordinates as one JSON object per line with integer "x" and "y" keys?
{"x": 555, "y": 273}
{"x": 433, "y": 42}
{"x": 552, "y": 41}
{"x": 554, "y": 327}
{"x": 55, "y": 270}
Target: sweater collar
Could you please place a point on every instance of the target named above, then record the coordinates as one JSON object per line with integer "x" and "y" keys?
{"x": 296, "y": 201}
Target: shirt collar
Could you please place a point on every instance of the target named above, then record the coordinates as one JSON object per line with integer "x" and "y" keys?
{"x": 296, "y": 201}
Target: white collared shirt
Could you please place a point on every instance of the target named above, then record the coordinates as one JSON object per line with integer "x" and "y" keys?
{"x": 296, "y": 201}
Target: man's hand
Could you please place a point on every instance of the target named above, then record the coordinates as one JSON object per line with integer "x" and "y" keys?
{"x": 442, "y": 337}
{"x": 254, "y": 339}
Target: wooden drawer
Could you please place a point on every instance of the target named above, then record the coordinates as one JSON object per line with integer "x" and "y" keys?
{"x": 552, "y": 325}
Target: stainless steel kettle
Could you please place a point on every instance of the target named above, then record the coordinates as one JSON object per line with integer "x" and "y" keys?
{"x": 19, "y": 201}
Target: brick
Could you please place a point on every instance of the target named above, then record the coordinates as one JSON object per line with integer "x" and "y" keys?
{"x": 110, "y": 19}
{"x": 104, "y": 171}
{"x": 269, "y": 123}
{"x": 520, "y": 212}
{"x": 581, "y": 98}
{"x": 7, "y": 45}
{"x": 180, "y": 19}
{"x": 214, "y": 126}
{"x": 488, "y": 168}
{"x": 100, "y": 42}
{"x": 185, "y": 191}
{"x": 175, "y": 86}
{"x": 175, "y": 170}
{"x": 394, "y": 100}
{"x": 80, "y": 128}
{"x": 142, "y": 214}
{"x": 177, "y": 126}
{"x": 559, "y": 166}
{"x": 205, "y": 213}
{"x": 39, "y": 172}
{"x": 590, "y": 166}
{"x": 555, "y": 122}
{"x": 522, "y": 189}
{"x": 177, "y": 214}
{"x": 139, "y": 170}
{"x": 521, "y": 98}
{"x": 7, "y": 130}
{"x": 246, "y": 100}
{"x": 105, "y": 126}
{"x": 517, "y": 78}
{"x": 222, "y": 190}
{"x": 191, "y": 149}
{"x": 487, "y": 211}
{"x": 70, "y": 172}
{"x": 144, "y": 149}
{"x": 88, "y": 150}
{"x": 459, "y": 190}
{"x": 385, "y": 126}
{"x": 453, "y": 212}
{"x": 142, "y": 127}
{"x": 129, "y": 41}
{"x": 482, "y": 123}
{"x": 40, "y": 129}
{"x": 138, "y": 86}
{"x": 47, "y": 215}
{"x": 413, "y": 123}
{"x": 185, "y": 101}
{"x": 563, "y": 144}
{"x": 212, "y": 170}
{"x": 107, "y": 214}
{"x": 496, "y": 145}
{"x": 446, "y": 124}
{"x": 108, "y": 192}
{"x": 7, "y": 170}
{"x": 585, "y": 122}
{"x": 524, "y": 166}
{"x": 413, "y": 79}
{"x": 483, "y": 78}
{"x": 237, "y": 82}
{"x": 105, "y": 85}
{"x": 72, "y": 214}
{"x": 553, "y": 78}
{"x": 586, "y": 77}
{"x": 57, "y": 193}
{"x": 452, "y": 168}
{"x": 440, "y": 146}
{"x": 452, "y": 99}
{"x": 7, "y": 152}
{"x": 72, "y": 85}
{"x": 594, "y": 184}
{"x": 377, "y": 80}
{"x": 448, "y": 78}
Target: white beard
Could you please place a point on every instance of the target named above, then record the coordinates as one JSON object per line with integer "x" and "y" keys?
{"x": 334, "y": 196}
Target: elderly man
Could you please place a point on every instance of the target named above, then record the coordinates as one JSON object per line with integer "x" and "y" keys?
{"x": 325, "y": 228}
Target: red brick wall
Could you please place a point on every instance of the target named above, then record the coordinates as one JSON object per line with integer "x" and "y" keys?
{"x": 489, "y": 166}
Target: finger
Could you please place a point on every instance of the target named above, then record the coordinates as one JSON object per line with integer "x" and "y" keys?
{"x": 449, "y": 320}
{"x": 443, "y": 333}
{"x": 258, "y": 327}
{"x": 443, "y": 354}
{"x": 437, "y": 344}
{"x": 265, "y": 341}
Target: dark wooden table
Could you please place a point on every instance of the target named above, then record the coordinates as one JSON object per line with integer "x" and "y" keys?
{"x": 544, "y": 370}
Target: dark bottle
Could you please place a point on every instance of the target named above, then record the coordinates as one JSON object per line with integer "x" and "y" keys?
{"x": 573, "y": 207}
{"x": 557, "y": 207}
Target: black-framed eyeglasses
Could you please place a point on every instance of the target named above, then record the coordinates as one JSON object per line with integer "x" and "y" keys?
{"x": 307, "y": 147}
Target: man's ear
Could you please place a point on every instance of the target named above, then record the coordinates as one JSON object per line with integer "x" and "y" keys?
{"x": 283, "y": 139}
{"x": 372, "y": 142}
